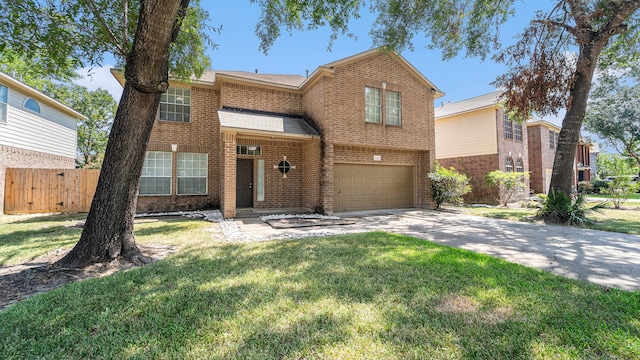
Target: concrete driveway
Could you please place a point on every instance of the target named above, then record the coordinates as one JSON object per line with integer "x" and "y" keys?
{"x": 603, "y": 258}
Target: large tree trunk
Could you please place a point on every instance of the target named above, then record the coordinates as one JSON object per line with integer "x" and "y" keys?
{"x": 108, "y": 231}
{"x": 563, "y": 165}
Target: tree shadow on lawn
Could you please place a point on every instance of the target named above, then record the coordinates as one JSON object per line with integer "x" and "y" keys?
{"x": 367, "y": 295}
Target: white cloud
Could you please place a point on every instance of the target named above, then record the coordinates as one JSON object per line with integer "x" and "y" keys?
{"x": 100, "y": 77}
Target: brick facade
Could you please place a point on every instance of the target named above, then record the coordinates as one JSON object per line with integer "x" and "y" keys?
{"x": 11, "y": 157}
{"x": 333, "y": 101}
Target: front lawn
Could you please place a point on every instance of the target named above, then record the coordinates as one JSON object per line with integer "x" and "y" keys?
{"x": 365, "y": 296}
{"x": 24, "y": 238}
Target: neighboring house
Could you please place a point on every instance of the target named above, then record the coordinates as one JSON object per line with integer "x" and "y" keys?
{"x": 543, "y": 142}
{"x": 476, "y": 136}
{"x": 36, "y": 131}
{"x": 356, "y": 134}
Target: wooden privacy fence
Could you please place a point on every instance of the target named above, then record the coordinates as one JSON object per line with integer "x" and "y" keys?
{"x": 49, "y": 190}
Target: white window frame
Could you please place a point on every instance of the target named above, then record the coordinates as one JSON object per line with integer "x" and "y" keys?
{"x": 519, "y": 165}
{"x": 188, "y": 167}
{"x": 508, "y": 164}
{"x": 508, "y": 127}
{"x": 373, "y": 105}
{"x": 150, "y": 170}
{"x": 173, "y": 99}
{"x": 517, "y": 131}
{"x": 35, "y": 111}
{"x": 393, "y": 105}
{"x": 4, "y": 107}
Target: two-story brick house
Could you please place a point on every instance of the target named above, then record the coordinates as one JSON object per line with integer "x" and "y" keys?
{"x": 476, "y": 136}
{"x": 355, "y": 134}
{"x": 542, "y": 142}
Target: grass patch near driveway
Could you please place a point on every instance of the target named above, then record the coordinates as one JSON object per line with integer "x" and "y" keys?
{"x": 24, "y": 238}
{"x": 607, "y": 219}
{"x": 362, "y": 296}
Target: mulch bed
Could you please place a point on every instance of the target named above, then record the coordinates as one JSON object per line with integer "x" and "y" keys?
{"x": 19, "y": 282}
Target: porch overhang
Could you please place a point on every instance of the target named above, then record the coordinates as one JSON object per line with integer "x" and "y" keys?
{"x": 266, "y": 125}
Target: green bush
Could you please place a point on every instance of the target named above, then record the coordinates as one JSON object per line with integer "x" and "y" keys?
{"x": 448, "y": 185}
{"x": 620, "y": 189}
{"x": 598, "y": 186}
{"x": 585, "y": 187}
{"x": 507, "y": 184}
{"x": 561, "y": 208}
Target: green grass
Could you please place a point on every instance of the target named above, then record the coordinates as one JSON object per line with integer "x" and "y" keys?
{"x": 24, "y": 238}
{"x": 632, "y": 197}
{"x": 366, "y": 296}
{"x": 622, "y": 221}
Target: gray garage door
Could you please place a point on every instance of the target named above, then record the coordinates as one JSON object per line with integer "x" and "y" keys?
{"x": 364, "y": 187}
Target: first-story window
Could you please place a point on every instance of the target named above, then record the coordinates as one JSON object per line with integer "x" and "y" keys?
{"x": 192, "y": 173}
{"x": 372, "y": 105}
{"x": 156, "y": 174}
{"x": 519, "y": 165}
{"x": 509, "y": 165}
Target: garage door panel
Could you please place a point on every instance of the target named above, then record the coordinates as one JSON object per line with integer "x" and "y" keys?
{"x": 360, "y": 187}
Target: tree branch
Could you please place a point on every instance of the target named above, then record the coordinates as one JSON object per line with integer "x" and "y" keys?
{"x": 92, "y": 6}
{"x": 579, "y": 14}
{"x": 550, "y": 23}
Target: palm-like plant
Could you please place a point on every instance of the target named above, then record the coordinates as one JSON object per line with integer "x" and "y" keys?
{"x": 561, "y": 208}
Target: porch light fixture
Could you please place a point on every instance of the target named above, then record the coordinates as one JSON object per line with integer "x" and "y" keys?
{"x": 174, "y": 147}
{"x": 252, "y": 148}
{"x": 377, "y": 157}
{"x": 384, "y": 85}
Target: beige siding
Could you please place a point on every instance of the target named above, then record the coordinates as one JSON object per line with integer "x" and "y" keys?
{"x": 469, "y": 134}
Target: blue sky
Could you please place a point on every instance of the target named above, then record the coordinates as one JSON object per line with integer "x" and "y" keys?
{"x": 460, "y": 78}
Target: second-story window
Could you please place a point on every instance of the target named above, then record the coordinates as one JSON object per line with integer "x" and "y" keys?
{"x": 552, "y": 139}
{"x": 557, "y": 135}
{"x": 3, "y": 103}
{"x": 32, "y": 104}
{"x": 373, "y": 105}
{"x": 175, "y": 105}
{"x": 508, "y": 127}
{"x": 394, "y": 109}
{"x": 517, "y": 131}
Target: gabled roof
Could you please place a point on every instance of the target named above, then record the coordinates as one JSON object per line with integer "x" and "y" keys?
{"x": 297, "y": 82}
{"x": 485, "y": 101}
{"x": 13, "y": 83}
{"x": 546, "y": 123}
{"x": 406, "y": 64}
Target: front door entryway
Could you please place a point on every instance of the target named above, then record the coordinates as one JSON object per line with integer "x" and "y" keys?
{"x": 244, "y": 183}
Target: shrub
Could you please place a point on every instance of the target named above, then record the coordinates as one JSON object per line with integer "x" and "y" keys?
{"x": 448, "y": 185}
{"x": 598, "y": 186}
{"x": 620, "y": 189}
{"x": 561, "y": 208}
{"x": 507, "y": 184}
{"x": 585, "y": 187}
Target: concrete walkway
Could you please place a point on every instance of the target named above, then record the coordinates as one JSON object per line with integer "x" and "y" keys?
{"x": 603, "y": 258}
